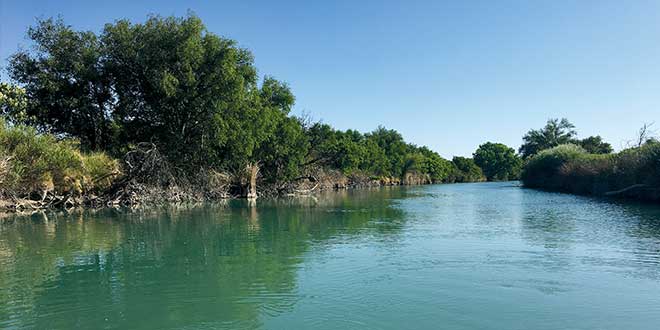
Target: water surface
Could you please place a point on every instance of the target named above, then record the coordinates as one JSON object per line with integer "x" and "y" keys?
{"x": 464, "y": 256}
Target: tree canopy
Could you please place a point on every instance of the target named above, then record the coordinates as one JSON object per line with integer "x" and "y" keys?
{"x": 595, "y": 145}
{"x": 195, "y": 95}
{"x": 557, "y": 132}
{"x": 465, "y": 170}
{"x": 498, "y": 162}
{"x": 554, "y": 133}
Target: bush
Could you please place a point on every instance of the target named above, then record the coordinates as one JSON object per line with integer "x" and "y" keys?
{"x": 570, "y": 168}
{"x": 39, "y": 163}
{"x": 542, "y": 170}
{"x": 100, "y": 169}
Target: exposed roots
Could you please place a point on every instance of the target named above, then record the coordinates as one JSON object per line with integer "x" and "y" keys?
{"x": 150, "y": 179}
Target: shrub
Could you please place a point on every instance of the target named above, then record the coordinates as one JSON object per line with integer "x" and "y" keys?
{"x": 101, "y": 170}
{"x": 639, "y": 165}
{"x": 38, "y": 163}
{"x": 569, "y": 168}
{"x": 542, "y": 170}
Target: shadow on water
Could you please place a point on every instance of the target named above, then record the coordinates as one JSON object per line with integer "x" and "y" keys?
{"x": 212, "y": 266}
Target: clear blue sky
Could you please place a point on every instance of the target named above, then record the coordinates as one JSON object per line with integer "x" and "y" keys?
{"x": 449, "y": 75}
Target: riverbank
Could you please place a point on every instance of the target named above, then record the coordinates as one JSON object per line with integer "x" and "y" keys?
{"x": 45, "y": 171}
{"x": 143, "y": 179}
{"x": 632, "y": 173}
{"x": 138, "y": 195}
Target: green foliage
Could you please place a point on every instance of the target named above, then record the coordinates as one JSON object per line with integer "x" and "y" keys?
{"x": 570, "y": 168}
{"x": 382, "y": 153}
{"x": 437, "y": 167}
{"x": 595, "y": 145}
{"x": 498, "y": 161}
{"x": 100, "y": 169}
{"x": 67, "y": 89}
{"x": 286, "y": 150}
{"x": 465, "y": 170}
{"x": 640, "y": 165}
{"x": 554, "y": 133}
{"x": 557, "y": 132}
{"x": 167, "y": 81}
{"x": 193, "y": 94}
{"x": 39, "y": 162}
{"x": 542, "y": 169}
{"x": 13, "y": 102}
{"x": 394, "y": 148}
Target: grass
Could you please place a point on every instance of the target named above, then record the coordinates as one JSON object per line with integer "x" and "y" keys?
{"x": 33, "y": 163}
{"x": 571, "y": 169}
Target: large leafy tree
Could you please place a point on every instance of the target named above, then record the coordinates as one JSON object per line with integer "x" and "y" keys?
{"x": 195, "y": 95}
{"x": 465, "y": 170}
{"x": 433, "y": 164}
{"x": 554, "y": 133}
{"x": 323, "y": 141}
{"x": 189, "y": 90}
{"x": 395, "y": 148}
{"x": 497, "y": 161}
{"x": 595, "y": 145}
{"x": 285, "y": 147}
{"x": 68, "y": 89}
{"x": 168, "y": 81}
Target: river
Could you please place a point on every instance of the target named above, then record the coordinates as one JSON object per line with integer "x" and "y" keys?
{"x": 460, "y": 256}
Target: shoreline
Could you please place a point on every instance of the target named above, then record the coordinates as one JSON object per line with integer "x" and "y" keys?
{"x": 160, "y": 196}
{"x": 636, "y": 193}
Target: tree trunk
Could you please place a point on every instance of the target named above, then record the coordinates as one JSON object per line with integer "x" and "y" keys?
{"x": 252, "y": 171}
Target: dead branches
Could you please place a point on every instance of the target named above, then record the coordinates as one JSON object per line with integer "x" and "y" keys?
{"x": 145, "y": 164}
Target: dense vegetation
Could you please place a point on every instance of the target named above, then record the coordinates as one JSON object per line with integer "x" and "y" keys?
{"x": 588, "y": 166}
{"x": 39, "y": 163}
{"x": 498, "y": 161}
{"x": 634, "y": 172}
{"x": 80, "y": 101}
{"x": 557, "y": 132}
{"x": 193, "y": 95}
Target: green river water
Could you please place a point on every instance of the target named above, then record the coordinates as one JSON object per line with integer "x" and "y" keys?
{"x": 462, "y": 256}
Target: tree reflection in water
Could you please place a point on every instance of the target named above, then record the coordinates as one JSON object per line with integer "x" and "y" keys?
{"x": 215, "y": 266}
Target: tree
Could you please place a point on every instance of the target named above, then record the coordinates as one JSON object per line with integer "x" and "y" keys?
{"x": 645, "y": 134}
{"x": 323, "y": 140}
{"x": 194, "y": 95}
{"x": 284, "y": 153}
{"x": 190, "y": 91}
{"x": 394, "y": 147}
{"x": 554, "y": 133}
{"x": 168, "y": 81}
{"x": 465, "y": 170}
{"x": 375, "y": 160}
{"x": 13, "y": 103}
{"x": 437, "y": 167}
{"x": 595, "y": 145}
{"x": 68, "y": 90}
{"x": 497, "y": 161}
